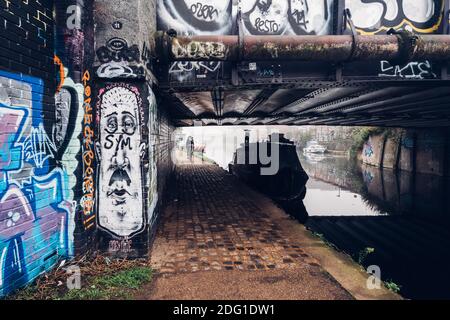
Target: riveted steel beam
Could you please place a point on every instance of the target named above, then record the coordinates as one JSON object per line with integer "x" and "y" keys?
{"x": 329, "y": 48}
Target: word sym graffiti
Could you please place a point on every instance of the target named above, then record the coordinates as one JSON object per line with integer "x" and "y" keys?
{"x": 120, "y": 149}
{"x": 35, "y": 209}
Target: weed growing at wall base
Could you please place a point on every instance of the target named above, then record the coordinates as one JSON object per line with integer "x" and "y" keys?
{"x": 101, "y": 279}
{"x": 118, "y": 286}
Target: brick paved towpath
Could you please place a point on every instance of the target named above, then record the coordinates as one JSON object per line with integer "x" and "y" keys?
{"x": 218, "y": 239}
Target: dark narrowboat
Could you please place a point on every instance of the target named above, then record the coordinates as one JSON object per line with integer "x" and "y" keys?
{"x": 287, "y": 185}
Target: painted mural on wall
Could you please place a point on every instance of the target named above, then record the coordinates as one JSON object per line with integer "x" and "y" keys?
{"x": 87, "y": 201}
{"x": 378, "y": 16}
{"x": 419, "y": 16}
{"x": 195, "y": 17}
{"x": 117, "y": 59}
{"x": 72, "y": 129}
{"x": 67, "y": 124}
{"x": 288, "y": 17}
{"x": 36, "y": 211}
{"x": 121, "y": 150}
{"x": 258, "y": 17}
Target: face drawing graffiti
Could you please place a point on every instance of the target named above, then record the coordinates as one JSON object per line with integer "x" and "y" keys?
{"x": 120, "y": 150}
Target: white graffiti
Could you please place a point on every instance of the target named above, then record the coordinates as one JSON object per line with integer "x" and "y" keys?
{"x": 120, "y": 148}
{"x": 412, "y": 70}
{"x": 380, "y": 15}
{"x": 288, "y": 17}
{"x": 38, "y": 147}
{"x": 203, "y": 66}
{"x": 189, "y": 17}
{"x": 199, "y": 50}
{"x": 114, "y": 70}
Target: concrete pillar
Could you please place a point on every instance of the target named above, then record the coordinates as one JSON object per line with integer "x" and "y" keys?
{"x": 407, "y": 151}
{"x": 127, "y": 123}
{"x": 124, "y": 38}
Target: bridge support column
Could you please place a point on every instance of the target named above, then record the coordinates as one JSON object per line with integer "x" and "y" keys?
{"x": 127, "y": 135}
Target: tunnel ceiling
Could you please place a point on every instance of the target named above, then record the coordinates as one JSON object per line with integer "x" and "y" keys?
{"x": 379, "y": 93}
{"x": 415, "y": 106}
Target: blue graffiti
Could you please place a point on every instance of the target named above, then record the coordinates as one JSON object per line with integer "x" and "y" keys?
{"x": 35, "y": 213}
{"x": 368, "y": 150}
{"x": 408, "y": 142}
{"x": 368, "y": 177}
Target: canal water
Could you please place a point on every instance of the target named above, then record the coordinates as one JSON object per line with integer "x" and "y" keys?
{"x": 403, "y": 220}
{"x": 397, "y": 221}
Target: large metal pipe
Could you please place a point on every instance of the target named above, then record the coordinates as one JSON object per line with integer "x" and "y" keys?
{"x": 330, "y": 48}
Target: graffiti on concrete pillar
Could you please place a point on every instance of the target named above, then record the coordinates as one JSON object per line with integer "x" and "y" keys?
{"x": 36, "y": 211}
{"x": 88, "y": 189}
{"x": 378, "y": 16}
{"x": 195, "y": 16}
{"x": 116, "y": 57}
{"x": 301, "y": 17}
{"x": 117, "y": 50}
{"x": 121, "y": 150}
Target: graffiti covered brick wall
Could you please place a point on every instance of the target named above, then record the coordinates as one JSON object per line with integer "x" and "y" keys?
{"x": 74, "y": 116}
{"x": 42, "y": 99}
{"x": 36, "y": 201}
{"x": 36, "y": 209}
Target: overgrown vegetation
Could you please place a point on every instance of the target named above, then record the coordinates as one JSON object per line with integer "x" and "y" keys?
{"x": 392, "y": 286}
{"x": 119, "y": 286}
{"x": 363, "y": 254}
{"x": 101, "y": 279}
{"x": 360, "y": 136}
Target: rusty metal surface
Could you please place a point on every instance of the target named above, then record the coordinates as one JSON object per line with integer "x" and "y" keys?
{"x": 330, "y": 48}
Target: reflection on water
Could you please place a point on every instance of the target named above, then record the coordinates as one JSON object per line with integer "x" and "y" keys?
{"x": 337, "y": 201}
{"x": 404, "y": 217}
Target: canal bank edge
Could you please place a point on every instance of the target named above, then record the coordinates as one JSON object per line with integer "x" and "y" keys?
{"x": 351, "y": 276}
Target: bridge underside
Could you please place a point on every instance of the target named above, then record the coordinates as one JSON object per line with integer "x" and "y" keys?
{"x": 422, "y": 104}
